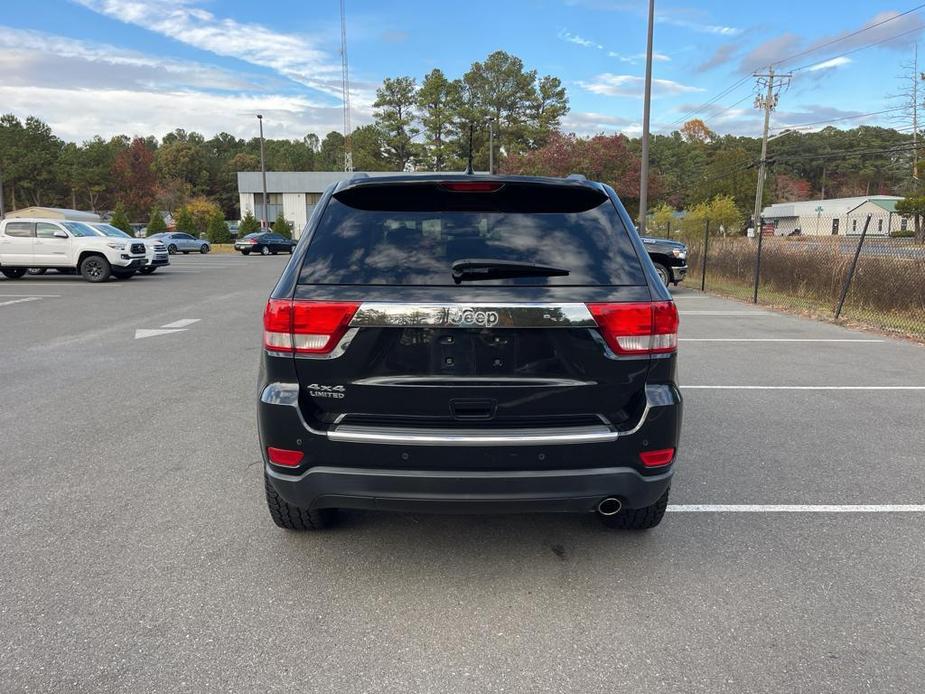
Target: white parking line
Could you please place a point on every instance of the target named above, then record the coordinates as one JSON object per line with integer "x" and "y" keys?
{"x": 773, "y": 339}
{"x": 52, "y": 296}
{"x": 70, "y": 283}
{"x": 803, "y": 387}
{"x": 796, "y": 508}
{"x": 20, "y": 301}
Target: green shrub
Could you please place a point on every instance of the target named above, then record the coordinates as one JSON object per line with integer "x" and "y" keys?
{"x": 249, "y": 224}
{"x": 282, "y": 227}
{"x": 217, "y": 231}
{"x": 120, "y": 220}
{"x": 156, "y": 223}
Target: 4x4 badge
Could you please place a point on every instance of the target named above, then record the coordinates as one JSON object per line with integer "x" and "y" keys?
{"x": 317, "y": 390}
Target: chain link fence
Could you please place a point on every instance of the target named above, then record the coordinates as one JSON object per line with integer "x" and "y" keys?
{"x": 871, "y": 275}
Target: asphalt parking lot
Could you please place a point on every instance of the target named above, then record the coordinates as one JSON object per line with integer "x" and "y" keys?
{"x": 138, "y": 554}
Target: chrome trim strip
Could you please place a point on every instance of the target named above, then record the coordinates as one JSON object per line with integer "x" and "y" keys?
{"x": 472, "y": 437}
{"x": 287, "y": 394}
{"x": 473, "y": 315}
{"x": 474, "y": 381}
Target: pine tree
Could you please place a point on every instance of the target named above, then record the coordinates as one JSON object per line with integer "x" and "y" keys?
{"x": 156, "y": 223}
{"x": 217, "y": 231}
{"x": 120, "y": 219}
{"x": 249, "y": 224}
{"x": 282, "y": 227}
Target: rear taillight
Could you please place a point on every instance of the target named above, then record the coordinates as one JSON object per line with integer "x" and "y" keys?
{"x": 638, "y": 328}
{"x": 284, "y": 456}
{"x": 305, "y": 327}
{"x": 659, "y": 458}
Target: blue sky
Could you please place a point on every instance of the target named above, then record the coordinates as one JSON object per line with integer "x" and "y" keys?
{"x": 148, "y": 66}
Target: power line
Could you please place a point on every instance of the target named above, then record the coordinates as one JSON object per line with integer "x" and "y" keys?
{"x": 859, "y": 48}
{"x": 834, "y": 120}
{"x": 706, "y": 104}
{"x": 848, "y": 36}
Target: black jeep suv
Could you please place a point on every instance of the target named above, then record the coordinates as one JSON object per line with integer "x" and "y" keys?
{"x": 460, "y": 343}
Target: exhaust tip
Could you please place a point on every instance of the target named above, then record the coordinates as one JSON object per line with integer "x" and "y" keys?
{"x": 610, "y": 506}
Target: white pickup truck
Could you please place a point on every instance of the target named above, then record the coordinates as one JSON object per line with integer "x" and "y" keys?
{"x": 63, "y": 245}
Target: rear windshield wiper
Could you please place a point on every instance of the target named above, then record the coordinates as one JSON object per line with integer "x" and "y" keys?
{"x": 468, "y": 269}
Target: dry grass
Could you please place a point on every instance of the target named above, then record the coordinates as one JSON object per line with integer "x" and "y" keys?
{"x": 887, "y": 292}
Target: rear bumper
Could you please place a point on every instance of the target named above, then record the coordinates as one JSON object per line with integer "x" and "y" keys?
{"x": 467, "y": 471}
{"x": 573, "y": 491}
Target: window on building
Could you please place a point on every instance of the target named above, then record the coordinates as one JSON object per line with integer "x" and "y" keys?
{"x": 903, "y": 223}
{"x": 274, "y": 206}
{"x": 854, "y": 225}
{"x": 835, "y": 225}
{"x": 880, "y": 225}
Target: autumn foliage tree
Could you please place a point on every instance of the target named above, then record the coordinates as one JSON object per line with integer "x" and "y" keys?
{"x": 605, "y": 158}
{"x": 134, "y": 178}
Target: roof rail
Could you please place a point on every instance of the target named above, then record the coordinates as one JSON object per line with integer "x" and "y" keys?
{"x": 577, "y": 177}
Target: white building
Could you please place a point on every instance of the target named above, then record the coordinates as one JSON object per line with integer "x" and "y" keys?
{"x": 836, "y": 216}
{"x": 294, "y": 193}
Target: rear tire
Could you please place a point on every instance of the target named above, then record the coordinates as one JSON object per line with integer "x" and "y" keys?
{"x": 664, "y": 274}
{"x": 292, "y": 517}
{"x": 95, "y": 268}
{"x": 14, "y": 273}
{"x": 204, "y": 248}
{"x": 639, "y": 518}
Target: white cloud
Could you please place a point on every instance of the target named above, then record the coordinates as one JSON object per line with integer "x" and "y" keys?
{"x": 295, "y": 56}
{"x": 585, "y": 123}
{"x": 579, "y": 40}
{"x": 78, "y": 114}
{"x": 33, "y": 57}
{"x": 637, "y": 57}
{"x": 829, "y": 64}
{"x": 608, "y": 84}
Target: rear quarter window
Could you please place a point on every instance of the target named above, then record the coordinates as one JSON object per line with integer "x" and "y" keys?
{"x": 357, "y": 242}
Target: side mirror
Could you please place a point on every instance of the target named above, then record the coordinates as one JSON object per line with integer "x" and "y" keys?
{"x": 60, "y": 234}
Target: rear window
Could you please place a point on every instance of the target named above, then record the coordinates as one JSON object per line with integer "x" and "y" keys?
{"x": 411, "y": 234}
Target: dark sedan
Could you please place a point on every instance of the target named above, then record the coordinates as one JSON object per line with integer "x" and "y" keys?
{"x": 264, "y": 243}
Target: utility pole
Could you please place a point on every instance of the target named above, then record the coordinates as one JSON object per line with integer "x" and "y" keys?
{"x": 915, "y": 114}
{"x": 767, "y": 102}
{"x": 646, "y": 107}
{"x": 491, "y": 146}
{"x": 263, "y": 171}
{"x": 345, "y": 89}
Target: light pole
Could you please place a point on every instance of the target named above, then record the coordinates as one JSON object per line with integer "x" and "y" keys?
{"x": 646, "y": 104}
{"x": 263, "y": 172}
{"x": 491, "y": 145}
